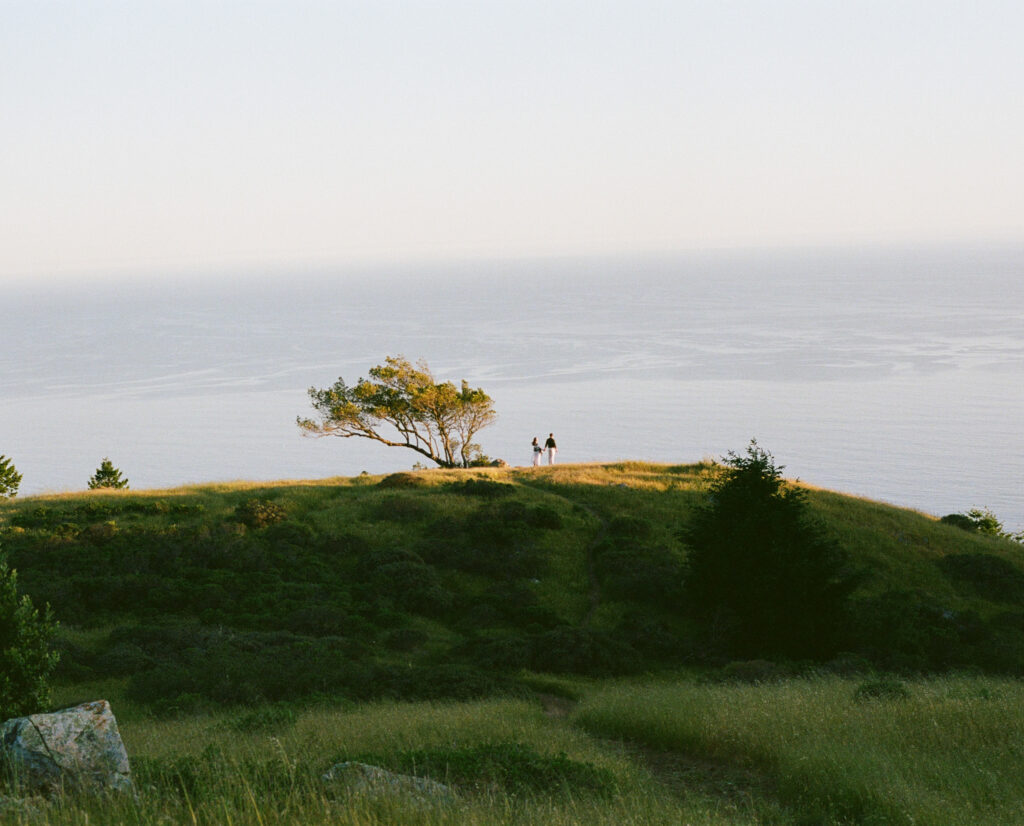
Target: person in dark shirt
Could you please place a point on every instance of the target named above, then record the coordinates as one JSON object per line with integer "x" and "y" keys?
{"x": 551, "y": 448}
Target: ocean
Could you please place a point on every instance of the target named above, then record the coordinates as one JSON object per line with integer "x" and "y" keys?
{"x": 892, "y": 374}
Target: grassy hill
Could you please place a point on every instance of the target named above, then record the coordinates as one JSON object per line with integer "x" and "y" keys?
{"x": 457, "y": 584}
{"x": 518, "y": 635}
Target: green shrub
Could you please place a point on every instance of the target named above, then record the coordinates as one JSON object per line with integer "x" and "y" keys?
{"x": 515, "y": 768}
{"x": 402, "y": 509}
{"x": 259, "y": 513}
{"x": 544, "y": 517}
{"x": 754, "y": 672}
{"x": 569, "y": 650}
{"x": 888, "y": 689}
{"x": 486, "y": 488}
{"x": 629, "y": 527}
{"x": 405, "y": 639}
{"x": 27, "y": 659}
{"x": 265, "y": 719}
{"x": 991, "y": 577}
{"x": 403, "y": 480}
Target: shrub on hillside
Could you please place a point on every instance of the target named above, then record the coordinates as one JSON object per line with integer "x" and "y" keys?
{"x": 402, "y": 509}
{"x": 571, "y": 650}
{"x": 990, "y": 576}
{"x": 403, "y": 480}
{"x": 630, "y": 571}
{"x": 260, "y": 513}
{"x": 486, "y": 488}
{"x": 983, "y": 521}
{"x": 888, "y": 689}
{"x": 27, "y": 659}
{"x": 516, "y": 768}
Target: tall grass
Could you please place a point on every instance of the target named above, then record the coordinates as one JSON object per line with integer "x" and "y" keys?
{"x": 949, "y": 754}
{"x": 211, "y": 770}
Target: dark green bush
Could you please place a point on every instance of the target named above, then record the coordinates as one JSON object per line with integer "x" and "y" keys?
{"x": 629, "y": 527}
{"x": 569, "y": 650}
{"x": 503, "y": 652}
{"x": 405, "y": 639}
{"x": 486, "y": 488}
{"x": 27, "y": 659}
{"x": 265, "y": 719}
{"x": 638, "y": 573}
{"x": 403, "y": 480}
{"x": 402, "y": 509}
{"x": 514, "y": 767}
{"x": 888, "y": 689}
{"x": 259, "y": 513}
{"x": 545, "y": 518}
{"x": 754, "y": 672}
{"x": 990, "y": 576}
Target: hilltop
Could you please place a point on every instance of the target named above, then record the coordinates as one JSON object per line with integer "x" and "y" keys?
{"x": 458, "y": 583}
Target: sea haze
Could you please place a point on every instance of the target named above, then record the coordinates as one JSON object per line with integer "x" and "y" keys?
{"x": 897, "y": 375}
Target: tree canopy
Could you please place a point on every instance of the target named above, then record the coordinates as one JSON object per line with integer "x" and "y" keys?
{"x": 762, "y": 577}
{"x": 402, "y": 405}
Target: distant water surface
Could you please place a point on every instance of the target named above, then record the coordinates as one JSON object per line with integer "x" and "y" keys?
{"x": 896, "y": 375}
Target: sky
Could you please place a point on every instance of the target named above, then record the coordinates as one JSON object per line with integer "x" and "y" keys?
{"x": 146, "y": 137}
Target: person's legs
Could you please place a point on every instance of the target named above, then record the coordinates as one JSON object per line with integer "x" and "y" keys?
{"x": 551, "y": 455}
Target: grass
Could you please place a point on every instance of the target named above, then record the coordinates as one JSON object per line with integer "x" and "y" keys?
{"x": 948, "y": 754}
{"x": 160, "y": 585}
{"x": 671, "y": 751}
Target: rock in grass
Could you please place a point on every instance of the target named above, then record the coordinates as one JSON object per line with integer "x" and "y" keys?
{"x": 78, "y": 749}
{"x": 362, "y": 778}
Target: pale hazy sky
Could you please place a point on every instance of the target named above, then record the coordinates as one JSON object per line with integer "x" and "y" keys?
{"x": 150, "y": 136}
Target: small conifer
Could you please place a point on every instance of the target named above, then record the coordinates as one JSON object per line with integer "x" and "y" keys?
{"x": 9, "y": 478}
{"x": 107, "y": 476}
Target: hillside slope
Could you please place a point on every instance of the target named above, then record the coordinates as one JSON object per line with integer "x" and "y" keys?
{"x": 456, "y": 583}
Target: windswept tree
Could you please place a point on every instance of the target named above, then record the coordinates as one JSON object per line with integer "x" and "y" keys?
{"x": 401, "y": 405}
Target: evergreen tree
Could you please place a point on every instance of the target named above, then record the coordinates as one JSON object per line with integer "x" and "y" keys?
{"x": 9, "y": 478}
{"x": 107, "y": 476}
{"x": 762, "y": 578}
{"x": 26, "y": 660}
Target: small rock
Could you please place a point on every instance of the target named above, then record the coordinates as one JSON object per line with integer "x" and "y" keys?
{"x": 362, "y": 778}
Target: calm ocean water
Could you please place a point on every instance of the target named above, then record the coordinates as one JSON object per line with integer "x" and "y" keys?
{"x": 896, "y": 375}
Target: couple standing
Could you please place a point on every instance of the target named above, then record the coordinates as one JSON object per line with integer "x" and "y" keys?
{"x": 549, "y": 446}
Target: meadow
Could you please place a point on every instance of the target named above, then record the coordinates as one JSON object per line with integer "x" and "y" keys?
{"x": 518, "y": 635}
{"x": 671, "y": 750}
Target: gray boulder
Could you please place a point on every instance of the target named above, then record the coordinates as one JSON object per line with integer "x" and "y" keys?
{"x": 77, "y": 749}
{"x": 362, "y": 778}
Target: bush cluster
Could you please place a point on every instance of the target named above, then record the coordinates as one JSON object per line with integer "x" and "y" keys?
{"x": 515, "y": 768}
